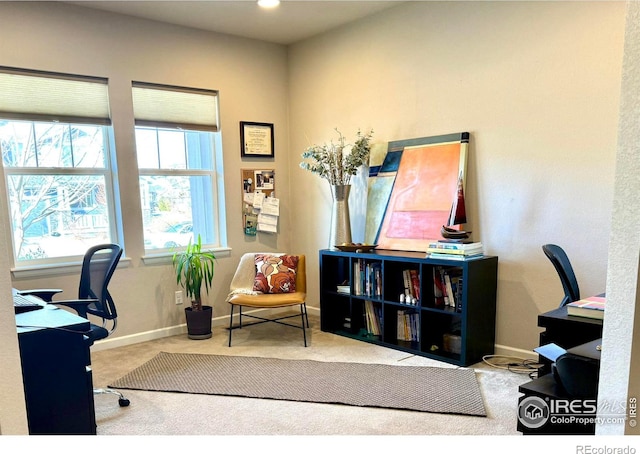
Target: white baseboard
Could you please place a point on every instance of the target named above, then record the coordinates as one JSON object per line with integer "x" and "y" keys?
{"x": 500, "y": 350}
{"x": 122, "y": 341}
{"x": 503, "y": 350}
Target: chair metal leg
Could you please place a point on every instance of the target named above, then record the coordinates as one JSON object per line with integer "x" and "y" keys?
{"x": 231, "y": 324}
{"x": 304, "y": 320}
{"x": 306, "y": 314}
{"x": 302, "y": 317}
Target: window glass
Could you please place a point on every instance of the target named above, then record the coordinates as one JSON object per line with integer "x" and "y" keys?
{"x": 179, "y": 201}
{"x": 59, "y": 188}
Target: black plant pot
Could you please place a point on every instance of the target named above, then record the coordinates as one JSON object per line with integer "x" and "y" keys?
{"x": 199, "y": 322}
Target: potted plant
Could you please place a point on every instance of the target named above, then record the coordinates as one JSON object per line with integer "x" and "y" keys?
{"x": 194, "y": 267}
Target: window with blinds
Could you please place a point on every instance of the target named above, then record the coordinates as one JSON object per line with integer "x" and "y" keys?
{"x": 56, "y": 155}
{"x": 179, "y": 156}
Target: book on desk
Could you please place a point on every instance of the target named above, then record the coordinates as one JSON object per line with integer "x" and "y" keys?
{"x": 590, "y": 307}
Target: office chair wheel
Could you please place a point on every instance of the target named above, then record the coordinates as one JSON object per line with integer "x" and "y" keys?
{"x": 123, "y": 402}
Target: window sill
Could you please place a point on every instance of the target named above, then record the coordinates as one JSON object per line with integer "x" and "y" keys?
{"x": 164, "y": 258}
{"x": 56, "y": 269}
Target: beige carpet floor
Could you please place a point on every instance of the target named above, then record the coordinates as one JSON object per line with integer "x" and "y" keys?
{"x": 162, "y": 413}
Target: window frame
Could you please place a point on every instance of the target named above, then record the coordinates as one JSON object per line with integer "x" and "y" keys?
{"x": 107, "y": 174}
{"x": 38, "y": 96}
{"x": 216, "y": 200}
{"x": 161, "y": 108}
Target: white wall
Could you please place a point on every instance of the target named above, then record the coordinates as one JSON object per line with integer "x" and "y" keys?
{"x": 537, "y": 86}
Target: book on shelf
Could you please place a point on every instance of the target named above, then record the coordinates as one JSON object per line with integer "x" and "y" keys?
{"x": 455, "y": 246}
{"x": 457, "y": 240}
{"x": 407, "y": 326}
{"x": 415, "y": 283}
{"x": 367, "y": 278}
{"x": 447, "y": 284}
{"x": 372, "y": 318}
{"x": 439, "y": 249}
{"x": 443, "y": 284}
{"x": 411, "y": 282}
{"x": 447, "y": 287}
{"x": 436, "y": 255}
{"x": 589, "y": 307}
{"x": 438, "y": 287}
{"x": 458, "y": 284}
{"x": 455, "y": 251}
{"x": 344, "y": 289}
{"x": 406, "y": 278}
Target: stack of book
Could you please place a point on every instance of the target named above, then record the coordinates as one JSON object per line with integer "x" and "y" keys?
{"x": 455, "y": 250}
{"x": 447, "y": 287}
{"x": 372, "y": 318}
{"x": 589, "y": 307}
{"x": 407, "y": 326}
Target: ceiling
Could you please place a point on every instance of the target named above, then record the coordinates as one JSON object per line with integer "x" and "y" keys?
{"x": 288, "y": 23}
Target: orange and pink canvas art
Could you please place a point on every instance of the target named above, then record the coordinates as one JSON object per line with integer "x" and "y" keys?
{"x": 424, "y": 188}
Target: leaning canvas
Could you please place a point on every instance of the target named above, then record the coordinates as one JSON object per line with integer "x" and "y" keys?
{"x": 425, "y": 184}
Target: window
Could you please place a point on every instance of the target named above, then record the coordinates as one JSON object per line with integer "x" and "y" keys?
{"x": 56, "y": 156}
{"x": 180, "y": 166}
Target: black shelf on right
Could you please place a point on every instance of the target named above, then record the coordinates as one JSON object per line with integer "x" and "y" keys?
{"x": 459, "y": 329}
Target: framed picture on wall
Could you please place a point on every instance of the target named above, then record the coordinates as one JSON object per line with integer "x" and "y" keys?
{"x": 256, "y": 139}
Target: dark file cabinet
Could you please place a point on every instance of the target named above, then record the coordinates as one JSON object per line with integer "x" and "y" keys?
{"x": 56, "y": 370}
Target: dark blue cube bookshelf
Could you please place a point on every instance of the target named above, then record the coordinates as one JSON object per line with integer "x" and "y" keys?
{"x": 397, "y": 299}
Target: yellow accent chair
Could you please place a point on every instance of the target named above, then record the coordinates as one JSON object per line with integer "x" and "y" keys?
{"x": 243, "y": 295}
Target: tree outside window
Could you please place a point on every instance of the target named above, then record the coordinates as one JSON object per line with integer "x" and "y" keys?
{"x": 58, "y": 184}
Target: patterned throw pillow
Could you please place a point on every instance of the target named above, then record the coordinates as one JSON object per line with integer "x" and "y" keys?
{"x": 275, "y": 274}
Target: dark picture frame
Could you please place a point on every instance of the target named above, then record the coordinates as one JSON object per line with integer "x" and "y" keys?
{"x": 256, "y": 140}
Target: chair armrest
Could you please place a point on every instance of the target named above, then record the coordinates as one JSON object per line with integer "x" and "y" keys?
{"x": 80, "y": 306}
{"x": 45, "y": 294}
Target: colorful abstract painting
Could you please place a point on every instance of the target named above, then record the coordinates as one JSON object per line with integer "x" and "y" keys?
{"x": 423, "y": 176}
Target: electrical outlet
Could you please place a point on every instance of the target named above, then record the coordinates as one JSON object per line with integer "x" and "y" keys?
{"x": 179, "y": 297}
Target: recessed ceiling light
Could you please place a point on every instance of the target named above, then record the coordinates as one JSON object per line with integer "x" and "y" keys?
{"x": 268, "y": 3}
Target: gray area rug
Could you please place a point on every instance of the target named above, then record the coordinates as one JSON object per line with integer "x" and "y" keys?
{"x": 427, "y": 389}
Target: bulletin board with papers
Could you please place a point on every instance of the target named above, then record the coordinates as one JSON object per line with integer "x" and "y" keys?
{"x": 261, "y": 208}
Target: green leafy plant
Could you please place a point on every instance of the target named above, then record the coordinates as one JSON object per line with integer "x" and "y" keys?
{"x": 333, "y": 162}
{"x": 193, "y": 267}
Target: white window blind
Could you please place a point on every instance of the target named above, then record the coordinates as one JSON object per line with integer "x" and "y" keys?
{"x": 48, "y": 96}
{"x": 165, "y": 106}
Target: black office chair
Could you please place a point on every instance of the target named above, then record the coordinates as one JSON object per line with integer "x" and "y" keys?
{"x": 563, "y": 266}
{"x": 94, "y": 298}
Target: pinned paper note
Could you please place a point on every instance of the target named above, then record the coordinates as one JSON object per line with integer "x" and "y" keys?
{"x": 261, "y": 209}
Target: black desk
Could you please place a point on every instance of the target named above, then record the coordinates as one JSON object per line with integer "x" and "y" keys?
{"x": 567, "y": 331}
{"x": 548, "y": 390}
{"x": 58, "y": 384}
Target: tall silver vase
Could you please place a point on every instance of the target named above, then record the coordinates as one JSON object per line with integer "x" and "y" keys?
{"x": 340, "y": 221}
